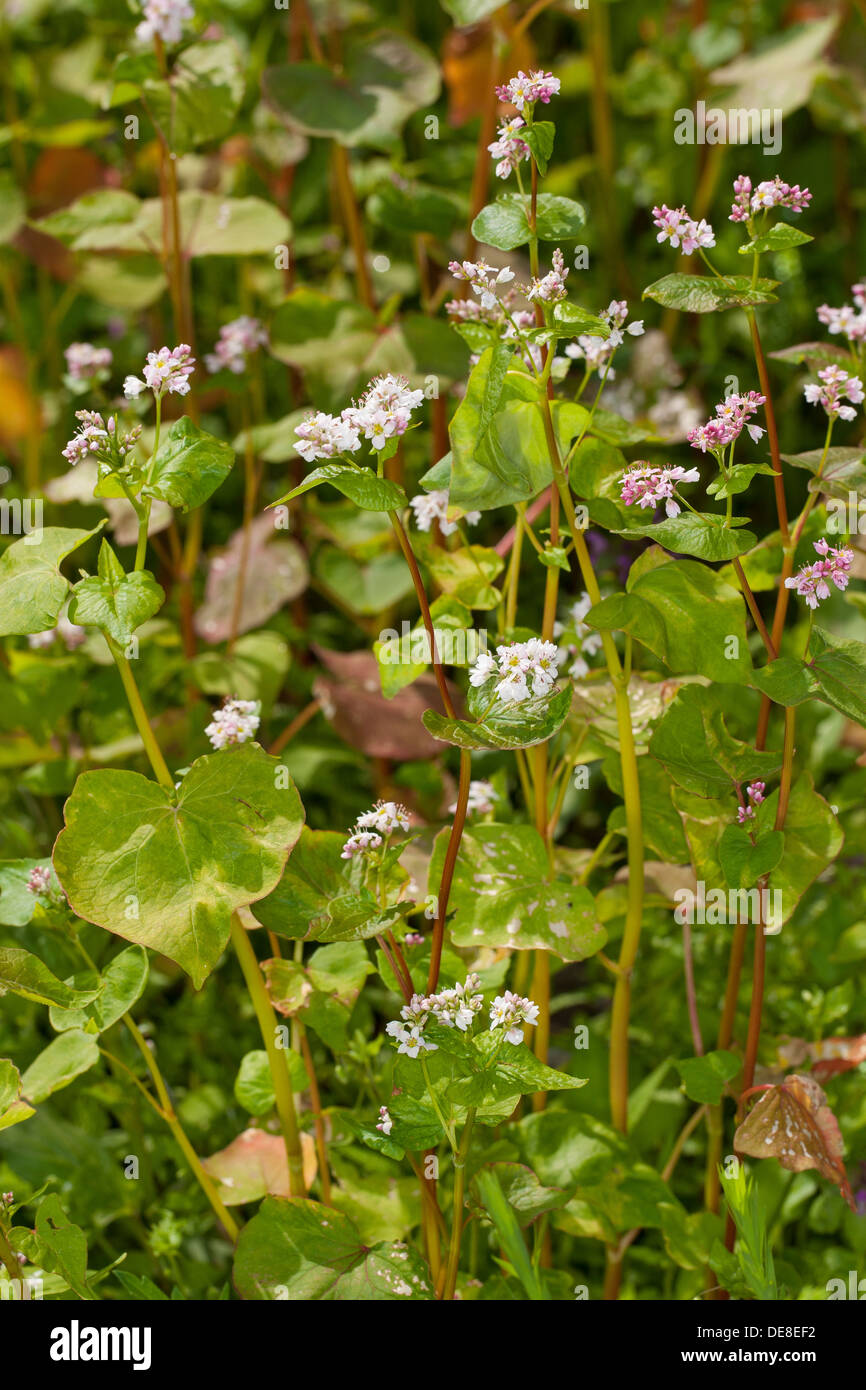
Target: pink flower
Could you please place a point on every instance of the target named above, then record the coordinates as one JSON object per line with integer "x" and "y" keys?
{"x": 850, "y": 320}
{"x": 811, "y": 581}
{"x": 236, "y": 342}
{"x": 100, "y": 439}
{"x": 744, "y": 813}
{"x": 169, "y": 369}
{"x": 756, "y": 792}
{"x": 359, "y": 843}
{"x": 508, "y": 148}
{"x": 731, "y": 418}
{"x": 552, "y": 286}
{"x": 84, "y": 362}
{"x": 484, "y": 280}
{"x": 836, "y": 385}
{"x": 772, "y": 193}
{"x": 676, "y": 227}
{"x": 524, "y": 90}
{"x": 39, "y": 881}
{"x": 165, "y": 18}
{"x": 648, "y": 485}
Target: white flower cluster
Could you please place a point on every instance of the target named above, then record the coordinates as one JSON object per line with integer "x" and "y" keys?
{"x": 164, "y": 19}
{"x": 483, "y": 279}
{"x": 511, "y": 1011}
{"x": 580, "y": 641}
{"x": 524, "y": 669}
{"x": 236, "y": 722}
{"x": 433, "y": 506}
{"x": 374, "y": 826}
{"x": 385, "y": 1122}
{"x": 325, "y": 437}
{"x": 385, "y": 409}
{"x": 458, "y": 1008}
{"x": 384, "y": 412}
{"x": 597, "y": 352}
{"x": 481, "y": 798}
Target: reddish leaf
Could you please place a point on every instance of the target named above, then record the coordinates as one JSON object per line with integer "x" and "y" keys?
{"x": 829, "y": 1057}
{"x": 276, "y": 573}
{"x": 361, "y": 715}
{"x": 255, "y": 1164}
{"x": 793, "y": 1122}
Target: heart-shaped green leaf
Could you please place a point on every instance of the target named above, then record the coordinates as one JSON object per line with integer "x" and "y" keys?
{"x": 298, "y": 1249}
{"x": 502, "y": 895}
{"x": 114, "y": 601}
{"x": 32, "y": 589}
{"x": 167, "y": 870}
{"x": 189, "y": 466}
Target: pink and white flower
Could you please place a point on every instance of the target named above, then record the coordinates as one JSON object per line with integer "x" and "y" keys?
{"x": 39, "y": 881}
{"x": 235, "y": 722}
{"x": 384, "y": 411}
{"x": 511, "y": 1012}
{"x": 849, "y": 320}
{"x": 812, "y": 582}
{"x": 731, "y": 418}
{"x": 596, "y": 352}
{"x": 771, "y": 193}
{"x": 648, "y": 485}
{"x": 385, "y": 818}
{"x": 84, "y": 362}
{"x": 481, "y": 800}
{"x": 834, "y": 386}
{"x": 552, "y": 287}
{"x": 100, "y": 439}
{"x": 433, "y": 506}
{"x": 508, "y": 148}
{"x": 237, "y": 341}
{"x": 164, "y": 19}
{"x": 680, "y": 230}
{"x": 484, "y": 280}
{"x": 167, "y": 370}
{"x": 326, "y": 436}
{"x": 360, "y": 842}
{"x": 523, "y": 90}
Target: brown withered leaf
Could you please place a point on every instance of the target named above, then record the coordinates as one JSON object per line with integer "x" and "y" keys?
{"x": 829, "y": 1057}
{"x": 467, "y": 62}
{"x": 255, "y": 1165}
{"x": 276, "y": 573}
{"x": 794, "y": 1123}
{"x": 354, "y": 704}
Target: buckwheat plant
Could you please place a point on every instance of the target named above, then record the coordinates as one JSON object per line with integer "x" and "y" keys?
{"x": 346, "y": 975}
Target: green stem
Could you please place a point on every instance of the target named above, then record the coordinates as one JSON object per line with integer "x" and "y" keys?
{"x": 277, "y": 1058}
{"x": 457, "y": 1209}
{"x": 168, "y": 1113}
{"x": 139, "y": 714}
